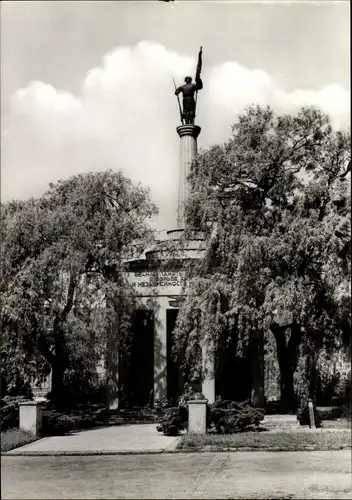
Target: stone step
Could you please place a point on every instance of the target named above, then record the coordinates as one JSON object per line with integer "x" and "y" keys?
{"x": 287, "y": 424}
{"x": 270, "y": 422}
{"x": 125, "y": 416}
{"x": 281, "y": 428}
{"x": 131, "y": 416}
{"x": 274, "y": 419}
{"x": 286, "y": 416}
{"x": 275, "y": 424}
{"x": 280, "y": 422}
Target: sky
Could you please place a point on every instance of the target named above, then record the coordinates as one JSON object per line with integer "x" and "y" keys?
{"x": 87, "y": 86}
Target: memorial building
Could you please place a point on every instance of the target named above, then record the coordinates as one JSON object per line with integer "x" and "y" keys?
{"x": 151, "y": 372}
{"x": 158, "y": 281}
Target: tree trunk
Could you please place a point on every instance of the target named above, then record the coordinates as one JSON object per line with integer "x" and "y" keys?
{"x": 57, "y": 365}
{"x": 257, "y": 361}
{"x": 57, "y": 386}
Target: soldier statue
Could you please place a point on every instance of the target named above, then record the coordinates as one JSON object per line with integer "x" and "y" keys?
{"x": 189, "y": 104}
{"x": 189, "y": 89}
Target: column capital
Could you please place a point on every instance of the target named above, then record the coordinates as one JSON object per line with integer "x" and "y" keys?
{"x": 192, "y": 130}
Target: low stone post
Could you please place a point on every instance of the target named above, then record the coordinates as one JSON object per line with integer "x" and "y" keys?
{"x": 31, "y": 417}
{"x": 311, "y": 414}
{"x": 197, "y": 416}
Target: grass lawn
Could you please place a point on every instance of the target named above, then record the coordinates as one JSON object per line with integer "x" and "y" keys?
{"x": 13, "y": 438}
{"x": 280, "y": 441}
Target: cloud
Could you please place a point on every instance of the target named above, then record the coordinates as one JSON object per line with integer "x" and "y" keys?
{"x": 125, "y": 118}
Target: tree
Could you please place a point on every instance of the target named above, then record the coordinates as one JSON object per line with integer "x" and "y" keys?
{"x": 263, "y": 200}
{"x": 63, "y": 273}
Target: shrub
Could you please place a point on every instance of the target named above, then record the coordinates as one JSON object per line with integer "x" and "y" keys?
{"x": 57, "y": 424}
{"x": 90, "y": 420}
{"x": 303, "y": 414}
{"x": 228, "y": 405}
{"x": 240, "y": 418}
{"x": 10, "y": 411}
{"x": 53, "y": 423}
{"x": 189, "y": 394}
{"x": 173, "y": 421}
{"x": 224, "y": 416}
{"x": 161, "y": 404}
{"x": 347, "y": 411}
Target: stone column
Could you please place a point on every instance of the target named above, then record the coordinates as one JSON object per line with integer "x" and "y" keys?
{"x": 31, "y": 417}
{"x": 188, "y": 149}
{"x": 208, "y": 376}
{"x": 112, "y": 366}
{"x": 257, "y": 362}
{"x": 112, "y": 379}
{"x": 160, "y": 353}
{"x": 311, "y": 414}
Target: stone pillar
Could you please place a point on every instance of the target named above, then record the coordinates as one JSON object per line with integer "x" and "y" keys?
{"x": 208, "y": 376}
{"x": 112, "y": 366}
{"x": 197, "y": 416}
{"x": 160, "y": 354}
{"x": 257, "y": 365}
{"x": 31, "y": 417}
{"x": 112, "y": 378}
{"x": 188, "y": 149}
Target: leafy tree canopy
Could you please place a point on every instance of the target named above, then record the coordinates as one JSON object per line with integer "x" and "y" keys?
{"x": 266, "y": 202}
{"x": 63, "y": 256}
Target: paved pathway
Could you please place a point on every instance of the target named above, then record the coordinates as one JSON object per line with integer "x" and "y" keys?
{"x": 194, "y": 475}
{"x": 126, "y": 439}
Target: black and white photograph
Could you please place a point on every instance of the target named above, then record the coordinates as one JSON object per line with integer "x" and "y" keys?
{"x": 175, "y": 249}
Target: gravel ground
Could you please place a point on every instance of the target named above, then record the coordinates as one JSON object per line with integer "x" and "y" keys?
{"x": 197, "y": 475}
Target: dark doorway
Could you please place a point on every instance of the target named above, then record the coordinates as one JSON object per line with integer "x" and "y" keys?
{"x": 174, "y": 376}
{"x": 141, "y": 366}
{"x": 233, "y": 373}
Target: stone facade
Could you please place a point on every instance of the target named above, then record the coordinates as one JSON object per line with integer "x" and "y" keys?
{"x": 159, "y": 284}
